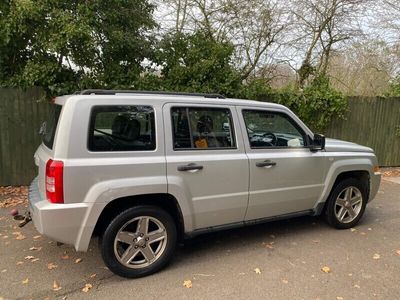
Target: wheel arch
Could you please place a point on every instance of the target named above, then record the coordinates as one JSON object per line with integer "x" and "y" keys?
{"x": 360, "y": 171}
{"x": 361, "y": 175}
{"x": 164, "y": 201}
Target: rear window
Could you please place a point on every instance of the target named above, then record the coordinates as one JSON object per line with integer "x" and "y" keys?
{"x": 122, "y": 128}
{"x": 48, "y": 129}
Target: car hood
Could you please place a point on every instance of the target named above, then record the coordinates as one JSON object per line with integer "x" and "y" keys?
{"x": 333, "y": 145}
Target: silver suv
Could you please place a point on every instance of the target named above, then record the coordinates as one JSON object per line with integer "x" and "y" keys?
{"x": 143, "y": 170}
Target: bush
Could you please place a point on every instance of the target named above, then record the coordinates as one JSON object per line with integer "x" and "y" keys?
{"x": 316, "y": 105}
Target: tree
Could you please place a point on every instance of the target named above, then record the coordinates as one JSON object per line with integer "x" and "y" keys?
{"x": 364, "y": 68}
{"x": 253, "y": 27}
{"x": 195, "y": 63}
{"x": 65, "y": 45}
{"x": 321, "y": 25}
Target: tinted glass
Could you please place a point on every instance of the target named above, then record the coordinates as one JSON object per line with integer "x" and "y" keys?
{"x": 202, "y": 128}
{"x": 122, "y": 128}
{"x": 271, "y": 129}
{"x": 48, "y": 129}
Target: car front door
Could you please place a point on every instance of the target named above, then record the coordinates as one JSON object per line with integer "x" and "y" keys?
{"x": 206, "y": 162}
{"x": 285, "y": 176}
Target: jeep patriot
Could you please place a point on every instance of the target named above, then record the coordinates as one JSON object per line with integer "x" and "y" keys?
{"x": 144, "y": 169}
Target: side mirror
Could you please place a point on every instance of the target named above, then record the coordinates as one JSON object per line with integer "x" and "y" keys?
{"x": 318, "y": 143}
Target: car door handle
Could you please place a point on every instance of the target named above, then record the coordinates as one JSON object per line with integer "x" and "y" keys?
{"x": 190, "y": 167}
{"x": 266, "y": 163}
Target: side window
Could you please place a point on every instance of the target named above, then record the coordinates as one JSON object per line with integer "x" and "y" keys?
{"x": 271, "y": 129}
{"x": 202, "y": 128}
{"x": 122, "y": 128}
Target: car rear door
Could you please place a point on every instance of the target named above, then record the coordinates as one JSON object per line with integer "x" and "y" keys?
{"x": 206, "y": 162}
{"x": 285, "y": 176}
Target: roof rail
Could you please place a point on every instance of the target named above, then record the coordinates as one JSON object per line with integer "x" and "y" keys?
{"x": 113, "y": 92}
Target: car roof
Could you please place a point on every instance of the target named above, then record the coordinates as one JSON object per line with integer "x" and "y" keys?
{"x": 170, "y": 98}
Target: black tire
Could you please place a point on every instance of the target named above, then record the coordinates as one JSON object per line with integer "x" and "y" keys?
{"x": 108, "y": 238}
{"x": 331, "y": 208}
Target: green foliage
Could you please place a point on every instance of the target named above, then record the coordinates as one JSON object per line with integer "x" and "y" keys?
{"x": 195, "y": 63}
{"x": 316, "y": 105}
{"x": 256, "y": 89}
{"x": 69, "y": 45}
{"x": 394, "y": 89}
{"x": 321, "y": 103}
{"x": 65, "y": 46}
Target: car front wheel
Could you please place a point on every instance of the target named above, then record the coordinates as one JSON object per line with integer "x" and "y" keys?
{"x": 139, "y": 241}
{"x": 346, "y": 204}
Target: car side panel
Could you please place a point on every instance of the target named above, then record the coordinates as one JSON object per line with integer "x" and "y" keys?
{"x": 217, "y": 194}
{"x": 341, "y": 162}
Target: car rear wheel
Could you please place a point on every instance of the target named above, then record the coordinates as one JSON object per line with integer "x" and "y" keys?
{"x": 139, "y": 241}
{"x": 346, "y": 204}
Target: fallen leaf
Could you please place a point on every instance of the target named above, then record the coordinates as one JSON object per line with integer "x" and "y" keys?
{"x": 363, "y": 233}
{"x": 25, "y": 281}
{"x": 369, "y": 228}
{"x": 19, "y": 263}
{"x": 4, "y": 270}
{"x": 188, "y": 284}
{"x": 93, "y": 275}
{"x": 78, "y": 260}
{"x": 35, "y": 259}
{"x": 87, "y": 287}
{"x": 51, "y": 266}
{"x": 257, "y": 270}
{"x": 339, "y": 298}
{"x": 269, "y": 246}
{"x": 398, "y": 252}
{"x": 376, "y": 256}
{"x": 35, "y": 248}
{"x": 37, "y": 237}
{"x": 326, "y": 269}
{"x": 65, "y": 257}
{"x": 353, "y": 229}
{"x": 56, "y": 285}
{"x": 5, "y": 237}
{"x": 357, "y": 286}
{"x": 285, "y": 281}
{"x": 29, "y": 257}
{"x": 20, "y": 237}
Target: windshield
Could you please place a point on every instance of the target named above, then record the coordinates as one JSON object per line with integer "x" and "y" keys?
{"x": 48, "y": 129}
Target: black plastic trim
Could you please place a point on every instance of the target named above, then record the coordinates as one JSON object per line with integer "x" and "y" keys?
{"x": 248, "y": 223}
{"x": 113, "y": 92}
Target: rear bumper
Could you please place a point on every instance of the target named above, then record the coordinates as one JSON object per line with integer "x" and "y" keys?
{"x": 374, "y": 181}
{"x": 60, "y": 222}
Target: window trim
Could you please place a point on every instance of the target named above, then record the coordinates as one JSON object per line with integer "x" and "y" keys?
{"x": 187, "y": 107}
{"x": 92, "y": 123}
{"x": 306, "y": 138}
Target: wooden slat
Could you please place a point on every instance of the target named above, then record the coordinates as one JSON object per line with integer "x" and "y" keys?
{"x": 20, "y": 119}
{"x": 372, "y": 122}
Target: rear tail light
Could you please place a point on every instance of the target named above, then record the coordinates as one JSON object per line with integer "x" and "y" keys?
{"x": 54, "y": 181}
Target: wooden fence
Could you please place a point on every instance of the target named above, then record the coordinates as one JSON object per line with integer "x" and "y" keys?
{"x": 21, "y": 113}
{"x": 374, "y": 122}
